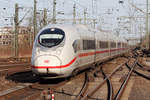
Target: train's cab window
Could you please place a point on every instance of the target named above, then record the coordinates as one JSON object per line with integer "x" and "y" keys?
{"x": 103, "y": 44}
{"x": 51, "y": 37}
{"x": 76, "y": 45}
{"x": 113, "y": 44}
{"x": 89, "y": 44}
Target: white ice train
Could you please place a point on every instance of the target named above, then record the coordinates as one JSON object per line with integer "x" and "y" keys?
{"x": 64, "y": 50}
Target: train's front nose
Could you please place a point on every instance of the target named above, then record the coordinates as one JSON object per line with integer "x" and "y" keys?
{"x": 47, "y": 64}
{"x": 44, "y": 60}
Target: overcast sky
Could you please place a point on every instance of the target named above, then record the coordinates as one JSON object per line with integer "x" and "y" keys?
{"x": 100, "y": 9}
{"x": 66, "y": 6}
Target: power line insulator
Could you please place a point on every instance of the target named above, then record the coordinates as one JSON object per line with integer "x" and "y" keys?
{"x": 120, "y": 1}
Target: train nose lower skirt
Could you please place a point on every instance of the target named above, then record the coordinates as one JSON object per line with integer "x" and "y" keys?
{"x": 48, "y": 63}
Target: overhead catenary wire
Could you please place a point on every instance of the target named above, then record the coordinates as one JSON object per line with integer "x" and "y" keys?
{"x": 134, "y": 6}
{"x": 80, "y": 4}
{"x": 24, "y": 16}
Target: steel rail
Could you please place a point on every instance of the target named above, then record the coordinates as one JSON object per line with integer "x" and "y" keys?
{"x": 138, "y": 73}
{"x": 17, "y": 89}
{"x": 84, "y": 87}
{"x": 141, "y": 66}
{"x": 10, "y": 65}
{"x": 97, "y": 87}
{"x": 109, "y": 86}
{"x": 10, "y": 71}
{"x": 124, "y": 84}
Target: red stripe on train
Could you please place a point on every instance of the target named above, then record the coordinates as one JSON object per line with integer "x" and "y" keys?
{"x": 63, "y": 66}
{"x": 80, "y": 55}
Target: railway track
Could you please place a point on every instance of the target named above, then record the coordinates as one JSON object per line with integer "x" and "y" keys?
{"x": 84, "y": 95}
{"x": 109, "y": 85}
{"x": 123, "y": 85}
{"x": 20, "y": 92}
{"x": 14, "y": 60}
{"x": 14, "y": 65}
{"x": 140, "y": 72}
{"x": 96, "y": 88}
{"x": 8, "y": 69}
{"x": 83, "y": 89}
{"x": 142, "y": 69}
{"x": 26, "y": 91}
{"x": 33, "y": 91}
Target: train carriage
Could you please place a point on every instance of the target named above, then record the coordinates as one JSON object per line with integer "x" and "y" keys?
{"x": 63, "y": 50}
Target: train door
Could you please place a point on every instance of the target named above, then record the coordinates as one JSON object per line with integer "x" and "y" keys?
{"x": 77, "y": 48}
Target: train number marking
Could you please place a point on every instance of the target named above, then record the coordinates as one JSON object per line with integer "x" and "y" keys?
{"x": 46, "y": 61}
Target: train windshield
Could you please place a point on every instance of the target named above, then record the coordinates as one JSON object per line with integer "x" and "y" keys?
{"x": 51, "y": 37}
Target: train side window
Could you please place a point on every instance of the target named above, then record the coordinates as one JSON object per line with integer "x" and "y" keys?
{"x": 123, "y": 45}
{"x": 89, "y": 44}
{"x": 113, "y": 44}
{"x": 3, "y": 42}
{"x": 103, "y": 44}
{"x": 119, "y": 45}
{"x": 76, "y": 45}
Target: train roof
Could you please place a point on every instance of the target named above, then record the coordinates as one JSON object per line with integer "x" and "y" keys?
{"x": 86, "y": 32}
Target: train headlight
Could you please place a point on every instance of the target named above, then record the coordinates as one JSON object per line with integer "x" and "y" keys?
{"x": 58, "y": 52}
